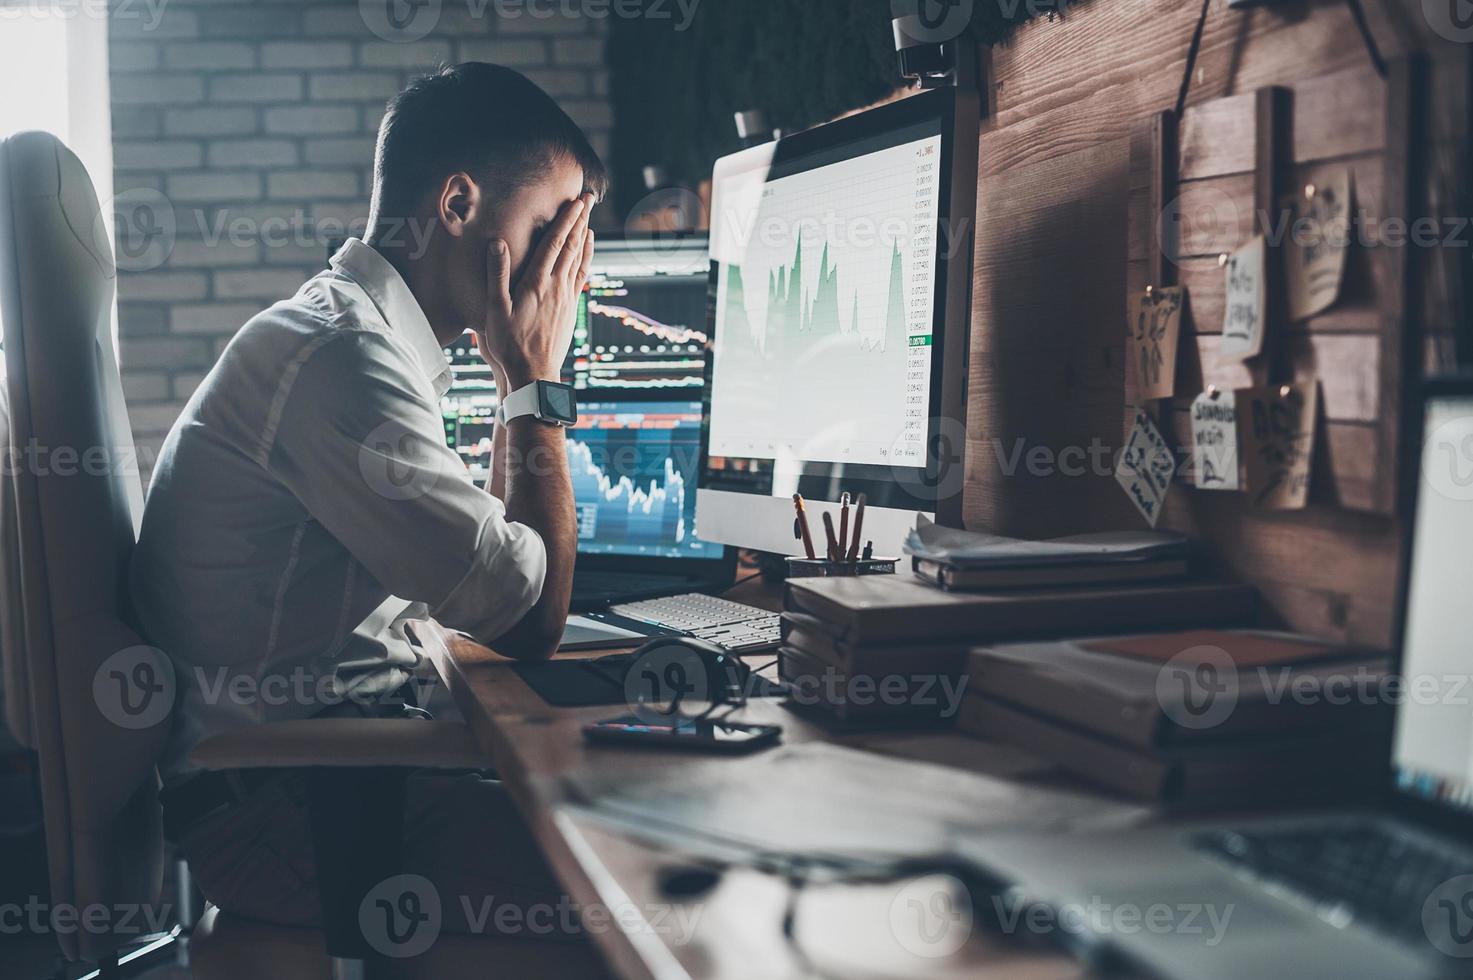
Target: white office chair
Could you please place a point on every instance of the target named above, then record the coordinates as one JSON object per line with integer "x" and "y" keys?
{"x": 67, "y": 543}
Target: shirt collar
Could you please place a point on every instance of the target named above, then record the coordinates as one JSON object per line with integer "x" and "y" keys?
{"x": 396, "y": 304}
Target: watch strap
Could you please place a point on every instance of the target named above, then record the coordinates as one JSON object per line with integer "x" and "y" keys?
{"x": 518, "y": 403}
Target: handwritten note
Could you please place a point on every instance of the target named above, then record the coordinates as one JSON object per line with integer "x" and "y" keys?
{"x": 1243, "y": 318}
{"x": 1146, "y": 467}
{"x": 1276, "y": 430}
{"x": 1215, "y": 440}
{"x": 1319, "y": 238}
{"x": 1155, "y": 324}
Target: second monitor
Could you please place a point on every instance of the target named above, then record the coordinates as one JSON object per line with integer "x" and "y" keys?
{"x": 841, "y": 265}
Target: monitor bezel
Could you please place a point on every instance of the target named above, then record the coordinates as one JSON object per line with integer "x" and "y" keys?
{"x": 1444, "y": 817}
{"x": 958, "y": 113}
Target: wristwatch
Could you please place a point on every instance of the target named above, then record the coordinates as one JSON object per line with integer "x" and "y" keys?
{"x": 546, "y": 401}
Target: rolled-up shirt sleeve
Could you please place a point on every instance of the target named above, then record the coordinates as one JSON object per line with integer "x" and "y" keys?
{"x": 356, "y": 441}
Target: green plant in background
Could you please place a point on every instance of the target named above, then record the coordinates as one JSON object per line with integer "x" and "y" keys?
{"x": 802, "y": 61}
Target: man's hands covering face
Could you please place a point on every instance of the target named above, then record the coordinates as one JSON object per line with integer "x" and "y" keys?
{"x": 529, "y": 326}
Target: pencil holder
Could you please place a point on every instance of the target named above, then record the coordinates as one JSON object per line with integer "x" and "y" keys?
{"x": 823, "y": 568}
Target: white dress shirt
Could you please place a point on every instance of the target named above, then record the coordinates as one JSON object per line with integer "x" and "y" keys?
{"x": 306, "y": 505}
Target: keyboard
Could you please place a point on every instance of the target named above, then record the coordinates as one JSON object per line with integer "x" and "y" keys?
{"x": 1348, "y": 872}
{"x": 738, "y": 628}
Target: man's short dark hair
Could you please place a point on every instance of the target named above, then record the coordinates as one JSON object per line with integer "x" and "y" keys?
{"x": 485, "y": 120}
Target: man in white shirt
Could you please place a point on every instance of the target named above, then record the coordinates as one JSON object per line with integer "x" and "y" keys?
{"x": 306, "y": 506}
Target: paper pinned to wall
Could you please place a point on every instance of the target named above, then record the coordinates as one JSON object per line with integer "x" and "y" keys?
{"x": 1215, "y": 440}
{"x": 1245, "y": 313}
{"x": 1276, "y": 430}
{"x": 1319, "y": 238}
{"x": 1155, "y": 326}
{"x": 1146, "y": 467}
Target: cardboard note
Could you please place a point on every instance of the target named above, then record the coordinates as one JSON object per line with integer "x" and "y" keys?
{"x": 1276, "y": 428}
{"x": 1243, "y": 317}
{"x": 1155, "y": 325}
{"x": 1319, "y": 238}
{"x": 1146, "y": 467}
{"x": 1215, "y": 440}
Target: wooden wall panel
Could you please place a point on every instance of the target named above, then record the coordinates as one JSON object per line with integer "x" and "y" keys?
{"x": 1062, "y": 233}
{"x": 1054, "y": 380}
{"x": 1340, "y": 114}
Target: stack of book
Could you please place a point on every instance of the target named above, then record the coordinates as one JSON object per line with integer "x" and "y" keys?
{"x": 1197, "y": 719}
{"x": 959, "y": 560}
{"x": 891, "y": 647}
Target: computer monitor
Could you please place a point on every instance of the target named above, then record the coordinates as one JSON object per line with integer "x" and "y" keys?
{"x": 639, "y": 360}
{"x": 469, "y": 407}
{"x": 1432, "y": 752}
{"x": 841, "y": 268}
{"x": 642, "y": 320}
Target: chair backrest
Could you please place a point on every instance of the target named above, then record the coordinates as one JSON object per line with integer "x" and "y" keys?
{"x": 13, "y": 673}
{"x": 77, "y": 499}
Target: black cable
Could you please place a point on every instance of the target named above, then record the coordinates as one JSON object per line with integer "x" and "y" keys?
{"x": 1186, "y": 79}
{"x": 746, "y": 578}
{"x": 771, "y": 663}
{"x": 1358, "y": 13}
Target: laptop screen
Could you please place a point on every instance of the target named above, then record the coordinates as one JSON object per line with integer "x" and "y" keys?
{"x": 1432, "y": 754}
{"x": 634, "y": 467}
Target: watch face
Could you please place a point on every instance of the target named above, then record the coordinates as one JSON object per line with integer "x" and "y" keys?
{"x": 558, "y": 402}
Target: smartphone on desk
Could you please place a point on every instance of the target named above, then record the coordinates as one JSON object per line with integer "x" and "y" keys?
{"x": 684, "y": 733}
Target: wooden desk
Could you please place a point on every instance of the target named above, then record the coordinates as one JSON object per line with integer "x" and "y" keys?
{"x": 736, "y": 930}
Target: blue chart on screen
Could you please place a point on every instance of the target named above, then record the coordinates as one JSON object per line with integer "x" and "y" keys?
{"x": 634, "y": 468}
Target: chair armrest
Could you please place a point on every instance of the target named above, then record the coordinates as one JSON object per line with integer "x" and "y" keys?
{"x": 352, "y": 743}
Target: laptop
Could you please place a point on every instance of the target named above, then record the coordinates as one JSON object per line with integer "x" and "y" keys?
{"x": 1375, "y": 893}
{"x": 638, "y": 360}
{"x": 634, "y": 465}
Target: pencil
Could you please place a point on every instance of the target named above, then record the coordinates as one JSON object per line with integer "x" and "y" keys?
{"x": 828, "y": 526}
{"x": 858, "y": 529}
{"x": 843, "y": 525}
{"x": 803, "y": 525}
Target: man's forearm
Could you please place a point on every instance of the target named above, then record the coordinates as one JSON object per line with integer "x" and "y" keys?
{"x": 496, "y": 478}
{"x": 539, "y": 494}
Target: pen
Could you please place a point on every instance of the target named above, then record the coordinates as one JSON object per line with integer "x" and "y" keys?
{"x": 843, "y": 525}
{"x": 828, "y": 526}
{"x": 858, "y": 528}
{"x": 803, "y": 525}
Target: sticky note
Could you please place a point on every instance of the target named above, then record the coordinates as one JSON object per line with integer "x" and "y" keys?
{"x": 1276, "y": 429}
{"x": 1244, "y": 314}
{"x": 1146, "y": 467}
{"x": 1319, "y": 238}
{"x": 1155, "y": 325}
{"x": 1215, "y": 440}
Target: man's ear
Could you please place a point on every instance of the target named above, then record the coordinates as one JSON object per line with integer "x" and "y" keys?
{"x": 459, "y": 203}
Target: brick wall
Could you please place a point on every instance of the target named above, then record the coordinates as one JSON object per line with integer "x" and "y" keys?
{"x": 243, "y": 143}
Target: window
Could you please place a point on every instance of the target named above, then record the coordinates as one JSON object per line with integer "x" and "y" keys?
{"x": 53, "y": 73}
{"x": 57, "y": 64}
